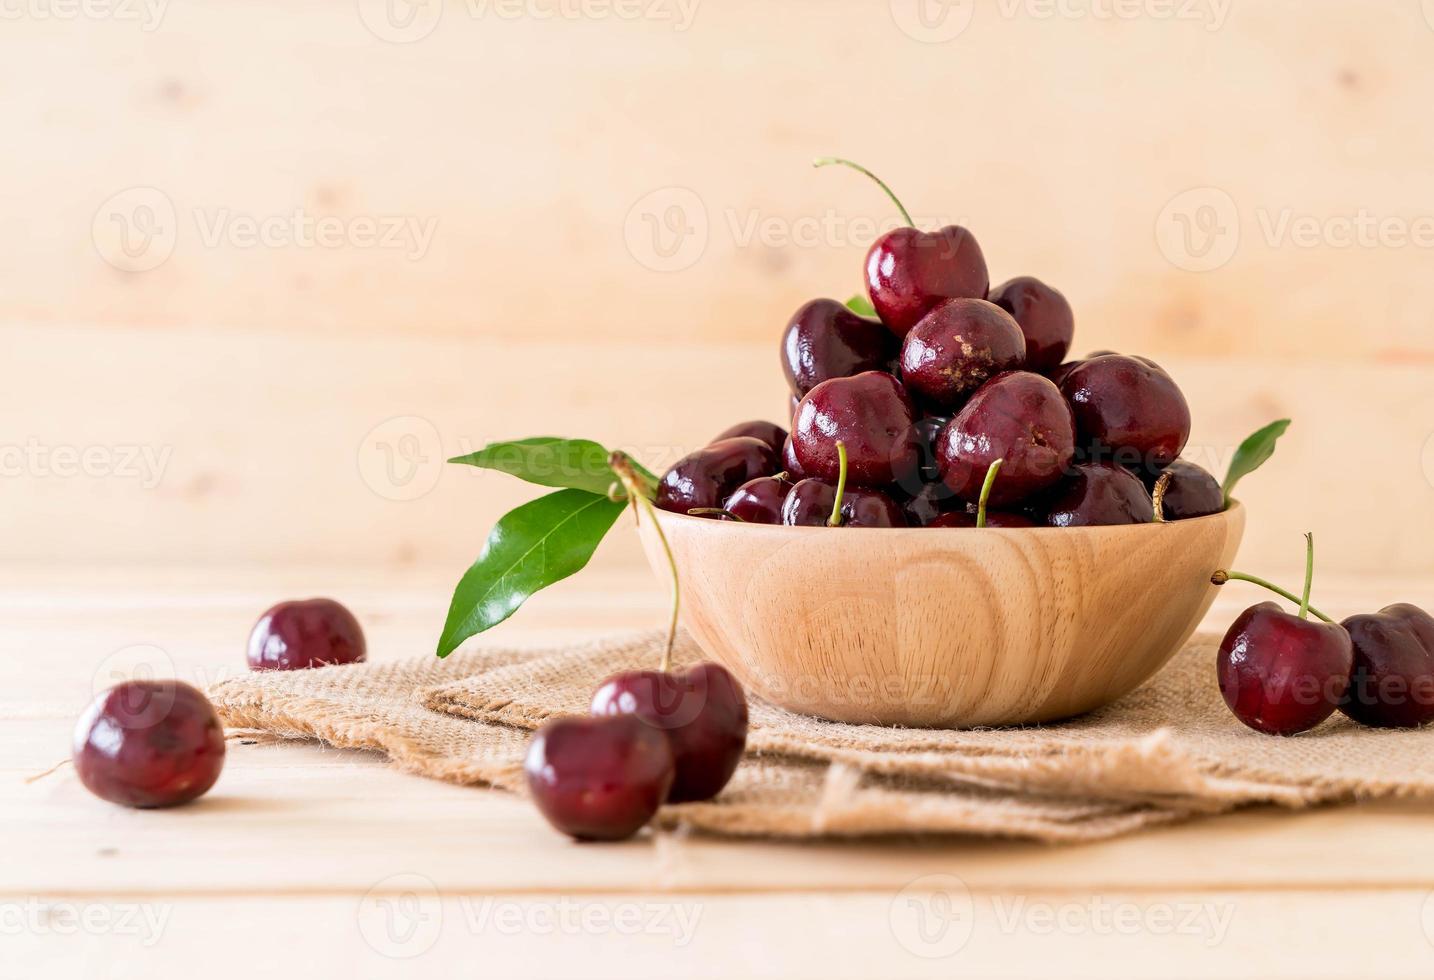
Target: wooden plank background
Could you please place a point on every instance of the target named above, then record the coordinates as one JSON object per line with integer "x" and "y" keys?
{"x": 1241, "y": 191}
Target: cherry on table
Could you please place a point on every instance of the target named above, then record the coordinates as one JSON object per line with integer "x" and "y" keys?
{"x": 1190, "y": 491}
{"x": 769, "y": 432}
{"x": 1281, "y": 674}
{"x": 701, "y": 710}
{"x": 599, "y": 778}
{"x": 759, "y": 501}
{"x": 825, "y": 340}
{"x": 872, "y": 414}
{"x": 1018, "y": 417}
{"x": 304, "y": 633}
{"x": 705, "y": 478}
{"x": 1127, "y": 410}
{"x": 149, "y": 744}
{"x": 1392, "y": 683}
{"x": 1099, "y": 494}
{"x": 1045, "y": 317}
{"x": 958, "y": 347}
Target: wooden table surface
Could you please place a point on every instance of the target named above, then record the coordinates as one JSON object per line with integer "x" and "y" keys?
{"x": 312, "y": 861}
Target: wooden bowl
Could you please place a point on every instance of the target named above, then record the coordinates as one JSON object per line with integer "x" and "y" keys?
{"x": 944, "y": 627}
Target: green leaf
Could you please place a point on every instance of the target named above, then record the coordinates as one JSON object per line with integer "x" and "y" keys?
{"x": 1252, "y": 454}
{"x": 861, "y": 306}
{"x": 542, "y": 542}
{"x": 548, "y": 461}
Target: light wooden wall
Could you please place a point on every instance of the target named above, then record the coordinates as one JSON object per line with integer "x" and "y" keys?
{"x": 540, "y": 151}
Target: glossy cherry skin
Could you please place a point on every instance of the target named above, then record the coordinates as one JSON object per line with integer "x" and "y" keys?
{"x": 810, "y": 505}
{"x": 1128, "y": 411}
{"x": 994, "y": 518}
{"x": 1045, "y": 317}
{"x": 932, "y": 501}
{"x": 599, "y": 778}
{"x": 1099, "y": 494}
{"x": 958, "y": 347}
{"x": 1191, "y": 491}
{"x": 825, "y": 340}
{"x": 790, "y": 464}
{"x": 759, "y": 501}
{"x": 1019, "y": 417}
{"x": 872, "y": 414}
{"x": 306, "y": 633}
{"x": 1392, "y": 684}
{"x": 769, "y": 432}
{"x": 707, "y": 477}
{"x": 701, "y": 710}
{"x": 149, "y": 744}
{"x": 909, "y": 272}
{"x": 1280, "y": 674}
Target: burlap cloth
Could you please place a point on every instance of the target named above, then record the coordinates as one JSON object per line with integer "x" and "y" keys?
{"x": 1167, "y": 752}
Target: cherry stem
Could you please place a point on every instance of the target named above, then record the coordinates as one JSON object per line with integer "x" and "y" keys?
{"x": 830, "y": 161}
{"x": 1223, "y": 576}
{"x": 1309, "y": 575}
{"x": 1157, "y": 496}
{"x": 714, "y": 511}
{"x": 835, "y": 519}
{"x": 622, "y": 466}
{"x": 991, "y": 472}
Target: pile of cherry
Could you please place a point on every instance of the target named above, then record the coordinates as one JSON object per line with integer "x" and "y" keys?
{"x": 654, "y": 737}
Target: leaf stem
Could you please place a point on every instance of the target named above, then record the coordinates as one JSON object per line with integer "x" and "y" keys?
{"x": 829, "y": 161}
{"x": 1223, "y": 576}
{"x": 835, "y": 519}
{"x": 622, "y": 466}
{"x": 1309, "y": 575}
{"x": 1157, "y": 496}
{"x": 991, "y": 473}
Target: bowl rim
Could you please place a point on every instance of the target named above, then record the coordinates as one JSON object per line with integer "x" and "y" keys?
{"x": 666, "y": 516}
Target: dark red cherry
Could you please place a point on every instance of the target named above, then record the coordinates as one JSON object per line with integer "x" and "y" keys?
{"x": 825, "y": 340}
{"x": 790, "y": 465}
{"x": 1099, "y": 494}
{"x": 872, "y": 414}
{"x": 1190, "y": 492}
{"x": 958, "y": 347}
{"x": 599, "y": 778}
{"x": 1392, "y": 684}
{"x": 769, "y": 432}
{"x": 306, "y": 633}
{"x": 707, "y": 477}
{"x": 910, "y": 272}
{"x": 759, "y": 501}
{"x": 809, "y": 504}
{"x": 149, "y": 744}
{"x": 994, "y": 518}
{"x": 930, "y": 502}
{"x": 1127, "y": 410}
{"x": 1045, "y": 318}
{"x": 1281, "y": 674}
{"x": 1019, "y": 417}
{"x": 701, "y": 710}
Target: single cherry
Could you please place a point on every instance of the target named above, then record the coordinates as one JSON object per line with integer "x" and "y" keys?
{"x": 1283, "y": 674}
{"x": 599, "y": 778}
{"x": 1392, "y": 684}
{"x": 769, "y": 432}
{"x": 1098, "y": 494}
{"x": 958, "y": 347}
{"x": 1045, "y": 317}
{"x": 1018, "y": 417}
{"x": 701, "y": 710}
{"x": 707, "y": 477}
{"x": 149, "y": 744}
{"x": 910, "y": 272}
{"x": 872, "y": 414}
{"x": 825, "y": 340}
{"x": 1185, "y": 491}
{"x": 759, "y": 501}
{"x": 306, "y": 633}
{"x": 1127, "y": 410}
